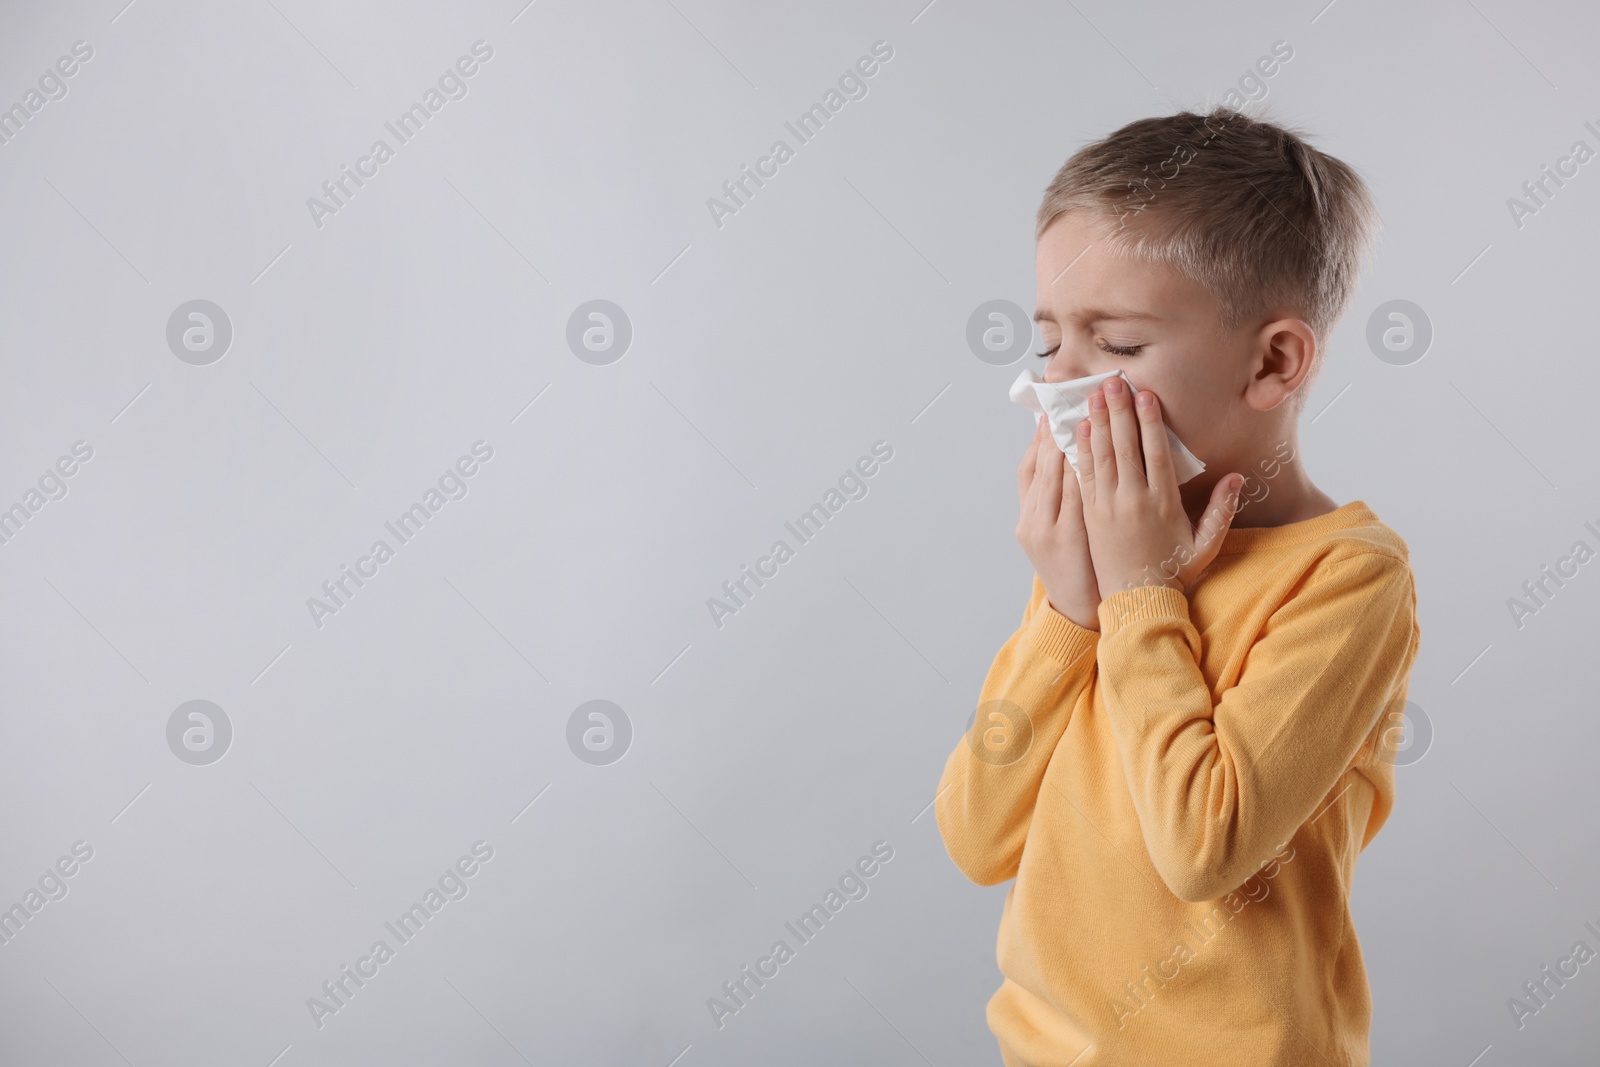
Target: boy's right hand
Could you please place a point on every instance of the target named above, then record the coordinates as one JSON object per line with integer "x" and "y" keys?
{"x": 1052, "y": 533}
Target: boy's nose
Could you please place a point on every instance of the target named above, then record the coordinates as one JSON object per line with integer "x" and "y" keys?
{"x": 1064, "y": 366}
{"x": 1061, "y": 371}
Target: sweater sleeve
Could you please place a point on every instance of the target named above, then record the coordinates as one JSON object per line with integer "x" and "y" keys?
{"x": 1218, "y": 787}
{"x": 991, "y": 780}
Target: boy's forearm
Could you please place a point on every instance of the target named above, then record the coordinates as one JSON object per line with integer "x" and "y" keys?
{"x": 1219, "y": 786}
{"x": 991, "y": 779}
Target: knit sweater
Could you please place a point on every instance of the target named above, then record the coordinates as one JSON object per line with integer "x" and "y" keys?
{"x": 1181, "y": 797}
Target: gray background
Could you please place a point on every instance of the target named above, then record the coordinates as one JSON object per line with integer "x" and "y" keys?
{"x": 768, "y": 355}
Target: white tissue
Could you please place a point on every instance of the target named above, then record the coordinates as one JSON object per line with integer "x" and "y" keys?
{"x": 1066, "y": 404}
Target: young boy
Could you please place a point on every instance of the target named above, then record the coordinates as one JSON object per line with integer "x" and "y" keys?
{"x": 1181, "y": 751}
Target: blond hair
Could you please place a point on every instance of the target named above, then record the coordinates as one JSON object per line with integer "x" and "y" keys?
{"x": 1243, "y": 207}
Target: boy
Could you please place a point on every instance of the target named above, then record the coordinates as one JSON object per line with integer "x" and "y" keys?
{"x": 1180, "y": 752}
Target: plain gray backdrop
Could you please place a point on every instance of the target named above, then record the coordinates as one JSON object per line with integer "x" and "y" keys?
{"x": 373, "y": 346}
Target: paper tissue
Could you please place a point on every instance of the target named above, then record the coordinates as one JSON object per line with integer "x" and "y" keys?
{"x": 1065, "y": 404}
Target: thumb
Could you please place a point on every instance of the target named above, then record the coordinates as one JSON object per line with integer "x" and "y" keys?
{"x": 1216, "y": 520}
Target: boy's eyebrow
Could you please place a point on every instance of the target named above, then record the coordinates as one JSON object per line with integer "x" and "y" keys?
{"x": 1090, "y": 316}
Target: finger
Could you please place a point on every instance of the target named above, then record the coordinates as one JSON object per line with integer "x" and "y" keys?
{"x": 1049, "y": 494}
{"x": 1216, "y": 520}
{"x": 1030, "y": 460}
{"x": 1047, "y": 445}
{"x": 1071, "y": 494}
{"x": 1105, "y": 459}
{"x": 1085, "y": 456}
{"x": 1124, "y": 433}
{"x": 1043, "y": 497}
{"x": 1159, "y": 471}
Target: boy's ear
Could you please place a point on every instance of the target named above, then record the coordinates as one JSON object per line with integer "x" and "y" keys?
{"x": 1285, "y": 350}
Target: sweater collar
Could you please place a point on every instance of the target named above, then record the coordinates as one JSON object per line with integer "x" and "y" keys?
{"x": 1355, "y": 513}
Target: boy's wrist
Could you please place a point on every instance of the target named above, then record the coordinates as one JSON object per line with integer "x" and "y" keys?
{"x": 1086, "y": 618}
{"x": 1142, "y": 602}
{"x": 1060, "y": 637}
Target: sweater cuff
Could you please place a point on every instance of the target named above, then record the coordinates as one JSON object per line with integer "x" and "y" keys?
{"x": 1058, "y": 637}
{"x": 1146, "y": 602}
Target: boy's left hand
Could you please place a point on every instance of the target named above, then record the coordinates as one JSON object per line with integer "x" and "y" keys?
{"x": 1139, "y": 532}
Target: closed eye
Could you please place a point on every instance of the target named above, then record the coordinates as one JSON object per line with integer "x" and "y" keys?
{"x": 1105, "y": 346}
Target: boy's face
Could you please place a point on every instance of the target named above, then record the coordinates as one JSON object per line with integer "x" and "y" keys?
{"x": 1106, "y": 314}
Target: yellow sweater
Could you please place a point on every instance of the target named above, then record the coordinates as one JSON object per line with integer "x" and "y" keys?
{"x": 1181, "y": 798}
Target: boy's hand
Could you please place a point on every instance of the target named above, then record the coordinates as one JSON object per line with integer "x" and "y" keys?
{"x": 1138, "y": 529}
{"x": 1052, "y": 532}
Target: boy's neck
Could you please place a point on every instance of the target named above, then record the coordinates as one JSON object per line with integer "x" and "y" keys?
{"x": 1289, "y": 496}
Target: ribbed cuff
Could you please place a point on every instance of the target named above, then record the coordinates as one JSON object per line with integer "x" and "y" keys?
{"x": 1146, "y": 602}
{"x": 1058, "y": 637}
